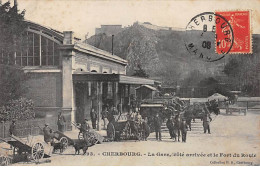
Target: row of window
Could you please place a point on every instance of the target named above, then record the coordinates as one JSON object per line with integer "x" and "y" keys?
{"x": 36, "y": 50}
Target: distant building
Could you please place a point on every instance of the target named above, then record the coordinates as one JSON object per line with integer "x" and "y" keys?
{"x": 145, "y": 92}
{"x": 109, "y": 29}
{"x": 158, "y": 28}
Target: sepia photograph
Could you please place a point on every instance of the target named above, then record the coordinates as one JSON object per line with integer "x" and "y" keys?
{"x": 129, "y": 83}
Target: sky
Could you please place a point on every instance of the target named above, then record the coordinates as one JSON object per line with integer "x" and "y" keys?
{"x": 83, "y": 16}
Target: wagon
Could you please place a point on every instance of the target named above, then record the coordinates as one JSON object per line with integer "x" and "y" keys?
{"x": 62, "y": 138}
{"x": 232, "y": 109}
{"x": 121, "y": 130}
{"x": 92, "y": 136}
{"x": 149, "y": 111}
{"x": 67, "y": 141}
{"x": 33, "y": 149}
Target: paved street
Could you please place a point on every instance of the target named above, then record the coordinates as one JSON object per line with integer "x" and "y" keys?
{"x": 230, "y": 134}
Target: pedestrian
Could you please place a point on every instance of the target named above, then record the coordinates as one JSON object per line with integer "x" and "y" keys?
{"x": 138, "y": 118}
{"x": 133, "y": 115}
{"x": 206, "y": 121}
{"x": 184, "y": 128}
{"x": 134, "y": 124}
{"x": 61, "y": 122}
{"x": 93, "y": 116}
{"x": 169, "y": 125}
{"x": 47, "y": 133}
{"x": 114, "y": 111}
{"x": 84, "y": 129}
{"x": 157, "y": 126}
{"x": 110, "y": 117}
{"x": 146, "y": 128}
{"x": 105, "y": 117}
{"x": 177, "y": 126}
{"x": 12, "y": 128}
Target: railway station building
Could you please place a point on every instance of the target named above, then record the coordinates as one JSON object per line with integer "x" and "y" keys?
{"x": 70, "y": 76}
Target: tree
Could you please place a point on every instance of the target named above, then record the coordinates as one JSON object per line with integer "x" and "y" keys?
{"x": 11, "y": 84}
{"x": 12, "y": 27}
{"x": 243, "y": 72}
{"x": 192, "y": 79}
{"x": 232, "y": 67}
{"x": 140, "y": 72}
{"x": 213, "y": 86}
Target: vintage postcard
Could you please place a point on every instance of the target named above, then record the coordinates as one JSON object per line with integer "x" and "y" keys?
{"x": 129, "y": 83}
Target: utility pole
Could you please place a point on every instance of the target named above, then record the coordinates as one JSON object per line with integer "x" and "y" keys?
{"x": 112, "y": 44}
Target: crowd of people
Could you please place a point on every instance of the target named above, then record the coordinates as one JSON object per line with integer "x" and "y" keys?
{"x": 176, "y": 123}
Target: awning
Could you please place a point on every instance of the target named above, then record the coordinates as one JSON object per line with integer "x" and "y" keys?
{"x": 123, "y": 79}
{"x": 151, "y": 105}
{"x": 146, "y": 86}
{"x": 217, "y": 96}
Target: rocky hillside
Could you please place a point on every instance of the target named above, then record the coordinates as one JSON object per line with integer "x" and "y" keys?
{"x": 161, "y": 53}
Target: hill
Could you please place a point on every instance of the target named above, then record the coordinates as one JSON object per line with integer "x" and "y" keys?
{"x": 160, "y": 52}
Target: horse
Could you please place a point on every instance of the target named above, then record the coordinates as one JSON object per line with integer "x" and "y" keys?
{"x": 188, "y": 115}
{"x": 177, "y": 126}
{"x": 212, "y": 106}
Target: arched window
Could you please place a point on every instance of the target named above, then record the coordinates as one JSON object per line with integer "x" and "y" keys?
{"x": 36, "y": 50}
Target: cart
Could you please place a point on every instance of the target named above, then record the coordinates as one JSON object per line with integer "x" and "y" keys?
{"x": 149, "y": 111}
{"x": 62, "y": 138}
{"x": 33, "y": 149}
{"x": 67, "y": 141}
{"x": 92, "y": 136}
{"x": 121, "y": 130}
{"x": 231, "y": 109}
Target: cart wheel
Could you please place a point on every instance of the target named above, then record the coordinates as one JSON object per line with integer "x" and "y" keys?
{"x": 128, "y": 130}
{"x": 111, "y": 131}
{"x": 5, "y": 161}
{"x": 65, "y": 142}
{"x": 37, "y": 151}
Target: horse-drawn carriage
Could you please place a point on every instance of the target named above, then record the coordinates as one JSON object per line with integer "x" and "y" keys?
{"x": 149, "y": 110}
{"x": 125, "y": 129}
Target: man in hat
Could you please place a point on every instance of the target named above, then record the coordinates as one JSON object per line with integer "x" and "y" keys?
{"x": 146, "y": 128}
{"x": 114, "y": 111}
{"x": 170, "y": 126}
{"x": 157, "y": 126}
{"x": 12, "y": 128}
{"x": 134, "y": 124}
{"x": 105, "y": 117}
{"x": 93, "y": 115}
{"x": 184, "y": 128}
{"x": 47, "y": 133}
{"x": 84, "y": 128}
{"x": 206, "y": 120}
{"x": 61, "y": 122}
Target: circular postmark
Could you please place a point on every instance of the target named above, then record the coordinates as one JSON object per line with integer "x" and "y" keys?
{"x": 209, "y": 36}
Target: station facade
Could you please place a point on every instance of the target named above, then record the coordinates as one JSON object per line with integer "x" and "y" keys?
{"x": 68, "y": 75}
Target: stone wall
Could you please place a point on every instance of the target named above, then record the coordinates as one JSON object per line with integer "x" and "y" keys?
{"x": 45, "y": 90}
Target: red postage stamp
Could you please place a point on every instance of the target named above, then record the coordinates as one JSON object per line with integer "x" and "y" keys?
{"x": 240, "y": 23}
